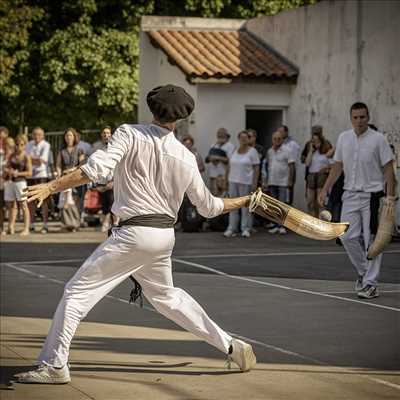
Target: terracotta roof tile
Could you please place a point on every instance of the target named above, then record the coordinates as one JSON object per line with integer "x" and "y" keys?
{"x": 219, "y": 54}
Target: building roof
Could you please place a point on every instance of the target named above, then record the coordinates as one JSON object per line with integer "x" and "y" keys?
{"x": 227, "y": 54}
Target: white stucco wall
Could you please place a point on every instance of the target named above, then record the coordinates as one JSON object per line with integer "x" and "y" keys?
{"x": 346, "y": 51}
{"x": 155, "y": 70}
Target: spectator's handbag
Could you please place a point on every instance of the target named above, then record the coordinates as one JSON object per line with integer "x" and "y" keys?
{"x": 293, "y": 219}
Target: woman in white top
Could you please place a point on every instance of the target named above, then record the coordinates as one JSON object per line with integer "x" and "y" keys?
{"x": 244, "y": 170}
{"x": 318, "y": 161}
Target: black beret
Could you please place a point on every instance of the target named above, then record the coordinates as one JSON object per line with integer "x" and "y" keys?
{"x": 169, "y": 103}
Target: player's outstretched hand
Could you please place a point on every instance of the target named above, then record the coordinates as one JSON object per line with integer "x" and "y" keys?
{"x": 37, "y": 193}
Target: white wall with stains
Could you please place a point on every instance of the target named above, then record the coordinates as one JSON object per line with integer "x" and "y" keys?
{"x": 346, "y": 51}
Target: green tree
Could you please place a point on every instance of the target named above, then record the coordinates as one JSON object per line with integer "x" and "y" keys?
{"x": 76, "y": 62}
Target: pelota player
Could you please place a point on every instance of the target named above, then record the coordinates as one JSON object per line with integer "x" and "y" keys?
{"x": 152, "y": 171}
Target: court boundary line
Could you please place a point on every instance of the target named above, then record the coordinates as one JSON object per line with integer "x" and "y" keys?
{"x": 276, "y": 254}
{"x": 194, "y": 256}
{"x": 218, "y": 272}
{"x": 262, "y": 344}
{"x": 263, "y": 283}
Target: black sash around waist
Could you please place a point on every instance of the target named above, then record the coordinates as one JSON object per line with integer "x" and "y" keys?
{"x": 150, "y": 220}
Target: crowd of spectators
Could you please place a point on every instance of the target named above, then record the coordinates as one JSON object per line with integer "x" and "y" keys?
{"x": 229, "y": 170}
{"x": 26, "y": 162}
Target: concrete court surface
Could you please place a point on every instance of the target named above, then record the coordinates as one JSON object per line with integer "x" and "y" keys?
{"x": 291, "y": 297}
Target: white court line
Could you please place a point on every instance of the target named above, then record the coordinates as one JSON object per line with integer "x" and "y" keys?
{"x": 242, "y": 278}
{"x": 45, "y": 277}
{"x": 352, "y": 291}
{"x": 276, "y": 254}
{"x": 46, "y": 261}
{"x": 262, "y": 344}
{"x": 215, "y": 271}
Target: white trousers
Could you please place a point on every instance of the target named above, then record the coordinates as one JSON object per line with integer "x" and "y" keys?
{"x": 146, "y": 253}
{"x": 356, "y": 210}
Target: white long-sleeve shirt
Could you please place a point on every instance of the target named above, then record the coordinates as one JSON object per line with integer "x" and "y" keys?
{"x": 152, "y": 171}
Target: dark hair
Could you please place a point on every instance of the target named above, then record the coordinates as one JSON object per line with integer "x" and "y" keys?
{"x": 252, "y": 131}
{"x": 285, "y": 128}
{"x": 74, "y": 132}
{"x": 246, "y": 132}
{"x": 359, "y": 106}
{"x": 187, "y": 137}
{"x": 106, "y": 127}
{"x": 325, "y": 146}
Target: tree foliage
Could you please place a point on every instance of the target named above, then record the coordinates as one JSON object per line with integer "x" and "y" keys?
{"x": 76, "y": 62}
{"x": 16, "y": 20}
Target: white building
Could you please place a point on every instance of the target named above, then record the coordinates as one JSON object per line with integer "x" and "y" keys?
{"x": 301, "y": 67}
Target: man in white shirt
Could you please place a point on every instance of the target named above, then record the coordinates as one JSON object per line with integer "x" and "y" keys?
{"x": 152, "y": 171}
{"x": 365, "y": 158}
{"x": 105, "y": 136}
{"x": 39, "y": 150}
{"x": 294, "y": 147}
{"x": 281, "y": 166}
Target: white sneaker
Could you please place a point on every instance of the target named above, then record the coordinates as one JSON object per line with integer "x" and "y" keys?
{"x": 45, "y": 374}
{"x": 246, "y": 234}
{"x": 273, "y": 230}
{"x": 282, "y": 231}
{"x": 369, "y": 292}
{"x": 229, "y": 233}
{"x": 242, "y": 355}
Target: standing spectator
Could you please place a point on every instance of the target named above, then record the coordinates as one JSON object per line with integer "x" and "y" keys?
{"x": 218, "y": 159}
{"x": 68, "y": 160}
{"x": 189, "y": 218}
{"x": 3, "y": 161}
{"x": 260, "y": 150}
{"x": 294, "y": 147}
{"x": 244, "y": 170}
{"x": 19, "y": 168}
{"x": 105, "y": 189}
{"x": 87, "y": 150}
{"x": 188, "y": 142}
{"x": 318, "y": 164}
{"x": 256, "y": 219}
{"x": 85, "y": 147}
{"x": 105, "y": 135}
{"x": 315, "y": 130}
{"x": 281, "y": 167}
{"x": 39, "y": 151}
{"x": 253, "y": 143}
{"x": 366, "y": 159}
